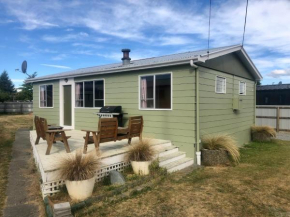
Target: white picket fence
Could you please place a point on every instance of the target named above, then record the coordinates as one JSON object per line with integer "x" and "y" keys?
{"x": 277, "y": 117}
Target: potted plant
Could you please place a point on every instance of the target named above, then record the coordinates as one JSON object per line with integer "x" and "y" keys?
{"x": 218, "y": 149}
{"x": 140, "y": 155}
{"x": 78, "y": 171}
{"x": 262, "y": 133}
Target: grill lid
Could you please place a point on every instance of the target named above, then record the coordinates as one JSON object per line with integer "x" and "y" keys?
{"x": 111, "y": 109}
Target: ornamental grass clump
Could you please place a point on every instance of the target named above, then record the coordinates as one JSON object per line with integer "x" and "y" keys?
{"x": 222, "y": 142}
{"x": 141, "y": 151}
{"x": 262, "y": 133}
{"x": 79, "y": 167}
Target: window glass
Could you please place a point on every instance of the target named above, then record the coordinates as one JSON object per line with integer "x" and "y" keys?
{"x": 155, "y": 91}
{"x": 79, "y": 94}
{"x": 89, "y": 94}
{"x": 99, "y": 93}
{"x": 46, "y": 96}
{"x": 220, "y": 85}
{"x": 163, "y": 91}
{"x": 49, "y": 95}
{"x": 147, "y": 89}
{"x": 242, "y": 88}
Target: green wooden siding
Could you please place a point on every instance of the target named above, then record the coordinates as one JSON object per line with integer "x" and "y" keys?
{"x": 216, "y": 113}
{"x": 177, "y": 125}
{"x": 52, "y": 114}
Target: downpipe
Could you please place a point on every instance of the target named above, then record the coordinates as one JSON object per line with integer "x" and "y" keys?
{"x": 197, "y": 151}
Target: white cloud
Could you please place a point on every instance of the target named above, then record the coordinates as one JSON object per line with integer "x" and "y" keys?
{"x": 65, "y": 38}
{"x": 59, "y": 57}
{"x": 279, "y": 73}
{"x": 56, "y": 66}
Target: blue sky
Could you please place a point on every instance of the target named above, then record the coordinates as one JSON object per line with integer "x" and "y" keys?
{"x": 56, "y": 36}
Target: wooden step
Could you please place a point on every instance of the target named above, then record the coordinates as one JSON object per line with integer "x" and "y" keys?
{"x": 166, "y": 151}
{"x": 178, "y": 165}
{"x": 171, "y": 158}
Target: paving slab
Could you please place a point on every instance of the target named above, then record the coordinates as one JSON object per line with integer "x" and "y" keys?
{"x": 283, "y": 136}
{"x": 17, "y": 197}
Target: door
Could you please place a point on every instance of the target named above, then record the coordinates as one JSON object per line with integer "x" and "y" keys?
{"x": 67, "y": 105}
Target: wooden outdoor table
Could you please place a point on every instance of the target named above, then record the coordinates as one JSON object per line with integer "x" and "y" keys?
{"x": 56, "y": 135}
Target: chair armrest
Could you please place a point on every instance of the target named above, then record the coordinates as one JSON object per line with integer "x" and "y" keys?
{"x": 56, "y": 131}
{"x": 93, "y": 131}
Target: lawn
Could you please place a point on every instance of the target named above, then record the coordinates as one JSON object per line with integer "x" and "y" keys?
{"x": 258, "y": 186}
{"x": 9, "y": 124}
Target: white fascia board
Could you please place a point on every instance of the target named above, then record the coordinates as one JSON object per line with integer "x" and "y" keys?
{"x": 252, "y": 64}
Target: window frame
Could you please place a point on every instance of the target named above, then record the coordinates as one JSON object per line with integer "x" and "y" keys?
{"x": 39, "y": 105}
{"x": 245, "y": 93}
{"x": 154, "y": 93}
{"x": 225, "y": 91}
{"x": 83, "y": 81}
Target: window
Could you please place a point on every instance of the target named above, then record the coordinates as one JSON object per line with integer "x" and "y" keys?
{"x": 155, "y": 91}
{"x": 220, "y": 85}
{"x": 242, "y": 88}
{"x": 46, "y": 96}
{"x": 90, "y": 94}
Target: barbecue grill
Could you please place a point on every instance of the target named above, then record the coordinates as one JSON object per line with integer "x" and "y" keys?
{"x": 112, "y": 111}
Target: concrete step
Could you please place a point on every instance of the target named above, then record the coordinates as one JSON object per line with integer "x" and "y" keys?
{"x": 166, "y": 151}
{"x": 178, "y": 165}
{"x": 162, "y": 145}
{"x": 171, "y": 158}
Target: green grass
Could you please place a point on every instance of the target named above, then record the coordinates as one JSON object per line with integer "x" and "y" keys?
{"x": 9, "y": 124}
{"x": 258, "y": 186}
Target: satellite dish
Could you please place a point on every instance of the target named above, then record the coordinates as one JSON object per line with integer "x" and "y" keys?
{"x": 24, "y": 66}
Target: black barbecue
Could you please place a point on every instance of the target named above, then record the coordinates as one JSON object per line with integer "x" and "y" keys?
{"x": 112, "y": 111}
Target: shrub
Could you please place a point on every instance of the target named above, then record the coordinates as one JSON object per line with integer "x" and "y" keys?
{"x": 262, "y": 133}
{"x": 141, "y": 151}
{"x": 222, "y": 141}
{"x": 78, "y": 167}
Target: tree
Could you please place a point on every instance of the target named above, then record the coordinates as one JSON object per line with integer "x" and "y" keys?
{"x": 6, "y": 84}
{"x": 26, "y": 89}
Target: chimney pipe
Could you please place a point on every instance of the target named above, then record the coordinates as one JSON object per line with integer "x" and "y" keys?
{"x": 126, "y": 59}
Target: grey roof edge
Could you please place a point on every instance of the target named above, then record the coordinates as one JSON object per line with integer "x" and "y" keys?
{"x": 199, "y": 58}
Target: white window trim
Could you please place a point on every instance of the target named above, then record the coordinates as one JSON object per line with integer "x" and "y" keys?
{"x": 216, "y": 85}
{"x": 171, "y": 89}
{"x": 245, "y": 93}
{"x": 46, "y": 100}
{"x": 101, "y": 79}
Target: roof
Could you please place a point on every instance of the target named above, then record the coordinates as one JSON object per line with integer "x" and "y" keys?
{"x": 274, "y": 87}
{"x": 154, "y": 62}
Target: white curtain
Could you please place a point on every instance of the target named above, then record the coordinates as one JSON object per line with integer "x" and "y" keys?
{"x": 143, "y": 93}
{"x": 78, "y": 95}
{"x": 42, "y": 96}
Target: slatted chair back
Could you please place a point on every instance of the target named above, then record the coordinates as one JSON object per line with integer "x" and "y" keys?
{"x": 108, "y": 129}
{"x": 43, "y": 127}
{"x": 135, "y": 126}
{"x": 37, "y": 126}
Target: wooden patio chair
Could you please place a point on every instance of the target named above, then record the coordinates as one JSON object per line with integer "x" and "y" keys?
{"x": 135, "y": 128}
{"x": 107, "y": 132}
{"x": 50, "y": 134}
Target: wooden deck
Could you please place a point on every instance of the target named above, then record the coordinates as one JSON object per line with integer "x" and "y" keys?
{"x": 112, "y": 156}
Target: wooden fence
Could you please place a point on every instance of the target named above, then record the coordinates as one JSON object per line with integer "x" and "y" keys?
{"x": 16, "y": 107}
{"x": 277, "y": 117}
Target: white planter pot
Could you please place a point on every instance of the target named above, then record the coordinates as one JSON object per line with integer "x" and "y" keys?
{"x": 141, "y": 167}
{"x": 80, "y": 190}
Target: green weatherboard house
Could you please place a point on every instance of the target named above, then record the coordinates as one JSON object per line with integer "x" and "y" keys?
{"x": 181, "y": 96}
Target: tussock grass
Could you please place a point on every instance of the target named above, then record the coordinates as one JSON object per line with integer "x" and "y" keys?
{"x": 79, "y": 167}
{"x": 141, "y": 151}
{"x": 222, "y": 141}
{"x": 262, "y": 133}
